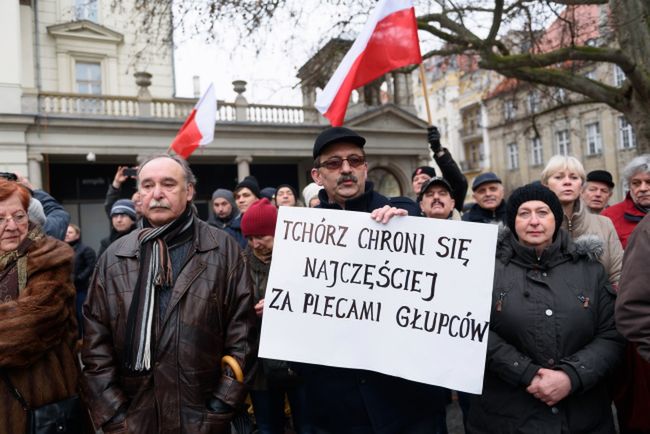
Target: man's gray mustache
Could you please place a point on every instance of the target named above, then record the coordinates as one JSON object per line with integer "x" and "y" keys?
{"x": 158, "y": 204}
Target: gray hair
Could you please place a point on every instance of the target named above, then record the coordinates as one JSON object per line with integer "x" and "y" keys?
{"x": 189, "y": 175}
{"x": 640, "y": 164}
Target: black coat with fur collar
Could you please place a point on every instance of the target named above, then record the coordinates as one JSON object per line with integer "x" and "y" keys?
{"x": 553, "y": 312}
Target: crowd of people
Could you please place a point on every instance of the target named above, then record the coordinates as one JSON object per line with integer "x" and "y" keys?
{"x": 158, "y": 332}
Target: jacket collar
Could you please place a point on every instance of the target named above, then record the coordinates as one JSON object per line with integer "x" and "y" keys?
{"x": 203, "y": 240}
{"x": 366, "y": 201}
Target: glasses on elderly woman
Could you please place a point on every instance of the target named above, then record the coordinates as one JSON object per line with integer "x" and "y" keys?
{"x": 19, "y": 218}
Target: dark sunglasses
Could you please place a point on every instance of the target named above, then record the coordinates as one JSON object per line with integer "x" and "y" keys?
{"x": 336, "y": 163}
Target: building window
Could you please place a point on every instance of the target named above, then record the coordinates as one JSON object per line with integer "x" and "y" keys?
{"x": 559, "y": 95}
{"x": 533, "y": 102}
{"x": 594, "y": 141}
{"x": 536, "y": 154}
{"x": 509, "y": 110}
{"x": 562, "y": 142}
{"x": 619, "y": 76}
{"x": 85, "y": 10}
{"x": 88, "y": 77}
{"x": 513, "y": 156}
{"x": 626, "y": 138}
{"x": 591, "y": 75}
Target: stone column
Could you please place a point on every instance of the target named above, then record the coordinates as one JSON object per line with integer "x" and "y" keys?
{"x": 243, "y": 166}
{"x": 35, "y": 169}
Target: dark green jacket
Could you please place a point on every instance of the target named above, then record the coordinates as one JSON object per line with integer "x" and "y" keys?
{"x": 555, "y": 312}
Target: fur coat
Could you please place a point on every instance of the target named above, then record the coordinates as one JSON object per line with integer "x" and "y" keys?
{"x": 38, "y": 328}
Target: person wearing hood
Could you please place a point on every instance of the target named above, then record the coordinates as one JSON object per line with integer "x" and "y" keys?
{"x": 123, "y": 221}
{"x": 552, "y": 344}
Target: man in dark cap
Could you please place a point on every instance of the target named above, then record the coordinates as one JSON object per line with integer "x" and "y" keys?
{"x": 436, "y": 199}
{"x": 450, "y": 170}
{"x": 353, "y": 400}
{"x": 597, "y": 190}
{"x": 487, "y": 191}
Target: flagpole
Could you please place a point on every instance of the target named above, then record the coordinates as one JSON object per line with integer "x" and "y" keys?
{"x": 423, "y": 80}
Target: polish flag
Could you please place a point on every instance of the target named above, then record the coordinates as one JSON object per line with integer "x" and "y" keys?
{"x": 198, "y": 129}
{"x": 388, "y": 41}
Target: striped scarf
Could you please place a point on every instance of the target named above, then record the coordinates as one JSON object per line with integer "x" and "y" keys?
{"x": 155, "y": 273}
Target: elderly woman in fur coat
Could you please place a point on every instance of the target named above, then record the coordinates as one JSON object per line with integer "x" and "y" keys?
{"x": 553, "y": 344}
{"x": 38, "y": 327}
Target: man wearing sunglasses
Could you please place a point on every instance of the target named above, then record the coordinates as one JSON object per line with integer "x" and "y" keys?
{"x": 342, "y": 400}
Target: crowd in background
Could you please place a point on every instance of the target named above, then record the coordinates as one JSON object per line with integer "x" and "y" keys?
{"x": 569, "y": 288}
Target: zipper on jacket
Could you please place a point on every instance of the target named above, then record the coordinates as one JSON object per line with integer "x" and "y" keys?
{"x": 584, "y": 300}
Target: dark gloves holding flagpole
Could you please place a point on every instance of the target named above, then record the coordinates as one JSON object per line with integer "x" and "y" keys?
{"x": 433, "y": 137}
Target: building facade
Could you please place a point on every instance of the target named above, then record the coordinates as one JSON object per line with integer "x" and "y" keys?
{"x": 81, "y": 94}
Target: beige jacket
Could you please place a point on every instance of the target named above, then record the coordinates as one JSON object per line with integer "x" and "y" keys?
{"x": 584, "y": 223}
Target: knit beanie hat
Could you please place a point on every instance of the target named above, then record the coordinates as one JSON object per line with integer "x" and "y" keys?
{"x": 259, "y": 219}
{"x": 124, "y": 206}
{"x": 250, "y": 182}
{"x": 310, "y": 192}
{"x": 534, "y": 191}
{"x": 293, "y": 190}
{"x": 224, "y": 194}
{"x": 424, "y": 169}
{"x": 268, "y": 192}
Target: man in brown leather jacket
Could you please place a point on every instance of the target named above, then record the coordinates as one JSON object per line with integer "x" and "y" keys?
{"x": 165, "y": 304}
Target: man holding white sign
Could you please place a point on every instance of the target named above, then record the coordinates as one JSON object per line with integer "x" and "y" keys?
{"x": 359, "y": 298}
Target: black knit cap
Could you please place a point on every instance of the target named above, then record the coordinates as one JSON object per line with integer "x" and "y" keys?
{"x": 250, "y": 182}
{"x": 534, "y": 191}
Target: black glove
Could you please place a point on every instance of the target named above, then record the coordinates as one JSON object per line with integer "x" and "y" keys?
{"x": 433, "y": 137}
{"x": 218, "y": 406}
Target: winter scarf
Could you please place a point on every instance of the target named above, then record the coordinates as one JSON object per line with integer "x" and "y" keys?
{"x": 155, "y": 273}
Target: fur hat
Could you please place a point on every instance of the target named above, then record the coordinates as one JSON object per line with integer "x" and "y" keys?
{"x": 534, "y": 191}
{"x": 124, "y": 206}
{"x": 250, "y": 182}
{"x": 259, "y": 219}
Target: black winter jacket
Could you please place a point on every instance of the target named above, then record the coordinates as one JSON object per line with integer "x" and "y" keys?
{"x": 355, "y": 401}
{"x": 555, "y": 312}
{"x": 480, "y": 215}
{"x": 84, "y": 264}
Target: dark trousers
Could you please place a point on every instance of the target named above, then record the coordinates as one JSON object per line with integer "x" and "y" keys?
{"x": 268, "y": 406}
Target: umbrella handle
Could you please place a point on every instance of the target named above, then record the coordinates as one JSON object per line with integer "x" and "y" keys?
{"x": 231, "y": 362}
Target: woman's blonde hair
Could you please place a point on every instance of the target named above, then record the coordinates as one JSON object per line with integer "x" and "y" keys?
{"x": 563, "y": 162}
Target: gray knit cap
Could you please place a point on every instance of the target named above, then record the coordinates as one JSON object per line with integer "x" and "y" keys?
{"x": 225, "y": 194}
{"x": 124, "y": 206}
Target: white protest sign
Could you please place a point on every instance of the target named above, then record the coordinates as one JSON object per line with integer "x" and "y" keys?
{"x": 410, "y": 298}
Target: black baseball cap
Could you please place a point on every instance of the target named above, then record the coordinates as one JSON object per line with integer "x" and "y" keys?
{"x": 484, "y": 178}
{"x": 436, "y": 180}
{"x": 336, "y": 135}
{"x": 601, "y": 176}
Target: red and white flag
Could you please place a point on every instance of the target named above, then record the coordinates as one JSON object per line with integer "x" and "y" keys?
{"x": 198, "y": 129}
{"x": 388, "y": 41}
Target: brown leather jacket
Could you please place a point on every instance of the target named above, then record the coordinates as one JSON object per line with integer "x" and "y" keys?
{"x": 210, "y": 314}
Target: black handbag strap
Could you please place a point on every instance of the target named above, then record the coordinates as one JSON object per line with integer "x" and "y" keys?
{"x": 14, "y": 391}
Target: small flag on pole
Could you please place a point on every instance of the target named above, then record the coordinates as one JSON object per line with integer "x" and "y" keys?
{"x": 198, "y": 129}
{"x": 388, "y": 41}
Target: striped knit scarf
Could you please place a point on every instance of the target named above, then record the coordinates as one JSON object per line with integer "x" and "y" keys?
{"x": 155, "y": 272}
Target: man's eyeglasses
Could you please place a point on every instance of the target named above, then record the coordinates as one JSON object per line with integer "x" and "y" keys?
{"x": 336, "y": 163}
{"x": 19, "y": 218}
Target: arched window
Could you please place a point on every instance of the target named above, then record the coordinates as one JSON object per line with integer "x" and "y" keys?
{"x": 385, "y": 182}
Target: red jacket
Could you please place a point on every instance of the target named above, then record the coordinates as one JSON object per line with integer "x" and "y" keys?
{"x": 625, "y": 216}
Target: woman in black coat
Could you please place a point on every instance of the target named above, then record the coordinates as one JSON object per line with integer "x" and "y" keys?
{"x": 552, "y": 341}
{"x": 84, "y": 264}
